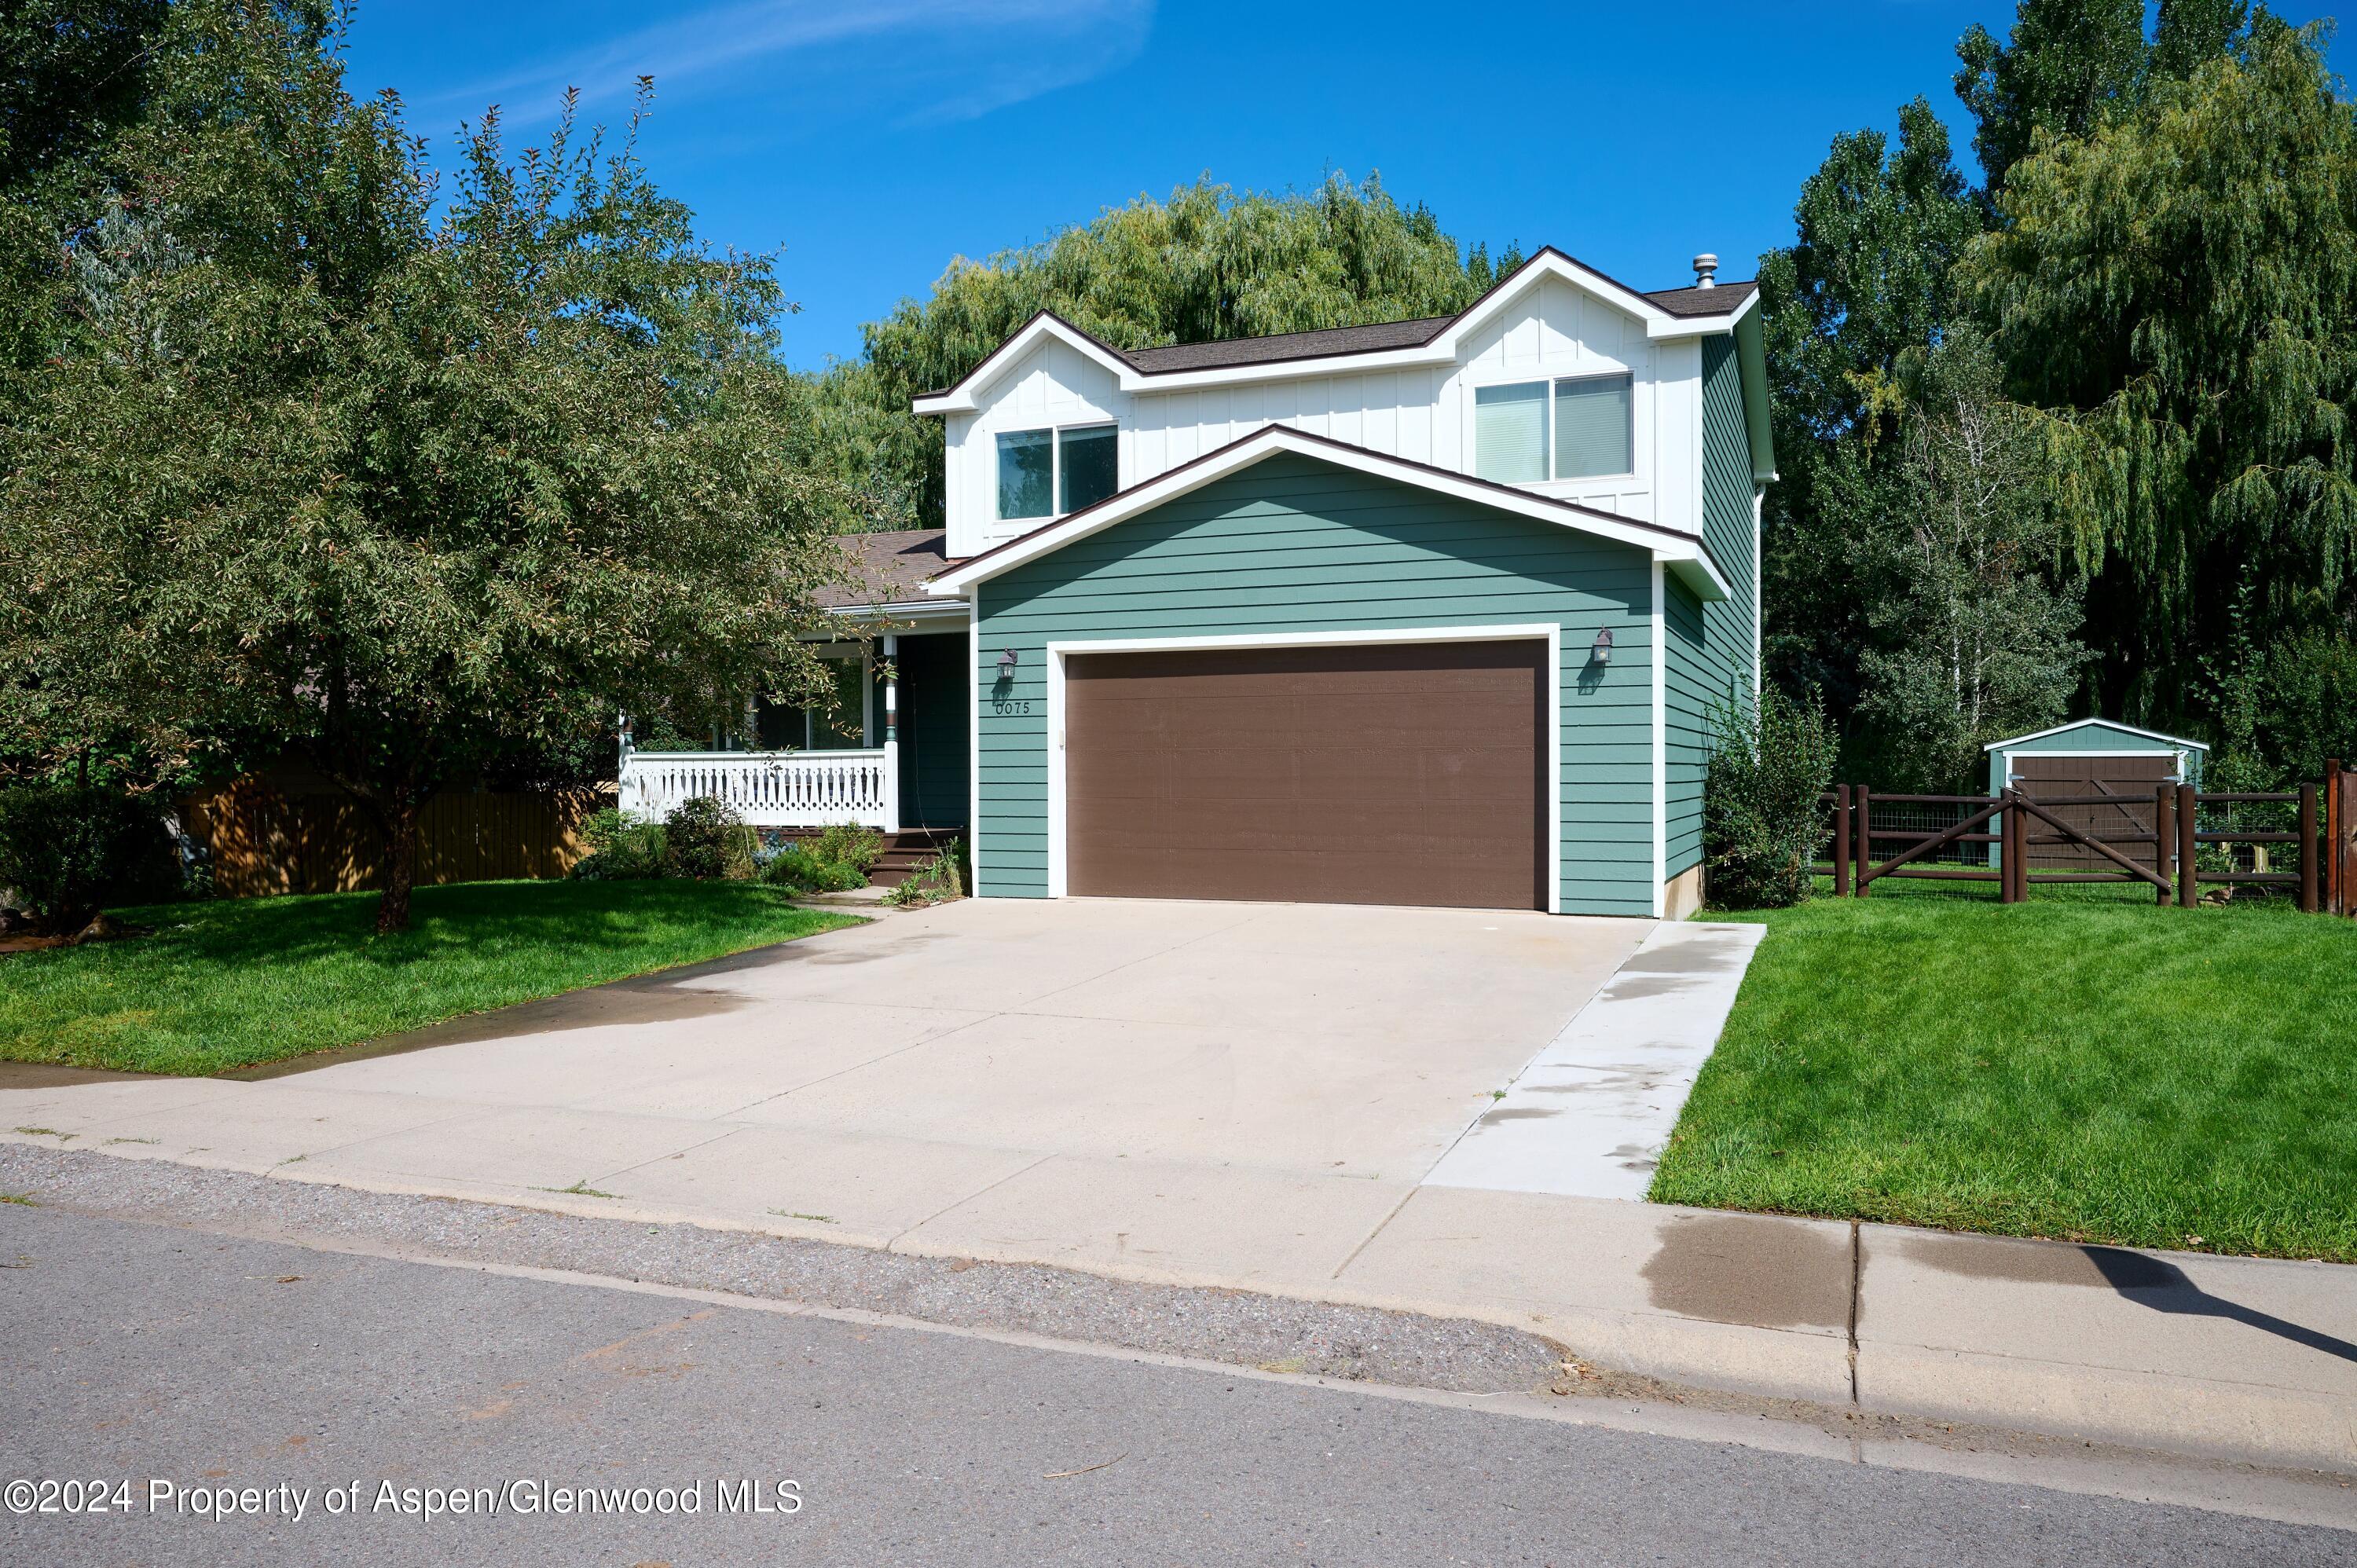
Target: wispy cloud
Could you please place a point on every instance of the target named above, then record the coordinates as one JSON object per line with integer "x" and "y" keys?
{"x": 923, "y": 61}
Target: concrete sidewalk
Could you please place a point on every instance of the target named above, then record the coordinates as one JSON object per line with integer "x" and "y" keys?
{"x": 1090, "y": 1102}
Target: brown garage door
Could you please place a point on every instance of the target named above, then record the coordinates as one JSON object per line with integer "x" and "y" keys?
{"x": 2046, "y": 775}
{"x": 1394, "y": 775}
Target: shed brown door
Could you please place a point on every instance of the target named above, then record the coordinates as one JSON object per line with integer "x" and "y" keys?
{"x": 2132, "y": 778}
{"x": 1409, "y": 774}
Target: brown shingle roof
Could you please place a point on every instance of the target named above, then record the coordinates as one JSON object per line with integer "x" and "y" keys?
{"x": 891, "y": 567}
{"x": 1375, "y": 338}
{"x": 1716, "y": 301}
{"x": 1366, "y": 339}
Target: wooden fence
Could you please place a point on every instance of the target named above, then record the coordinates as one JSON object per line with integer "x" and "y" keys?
{"x": 2176, "y": 839}
{"x": 266, "y": 840}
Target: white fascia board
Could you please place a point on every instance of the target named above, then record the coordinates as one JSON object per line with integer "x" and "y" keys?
{"x": 2166, "y": 740}
{"x": 905, "y": 609}
{"x": 1659, "y": 323}
{"x": 963, "y": 399}
{"x": 1682, "y": 553}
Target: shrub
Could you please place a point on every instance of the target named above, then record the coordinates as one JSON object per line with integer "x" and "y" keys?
{"x": 704, "y": 838}
{"x": 1763, "y": 812}
{"x": 621, "y": 848}
{"x": 800, "y": 870}
{"x": 848, "y": 844}
{"x": 942, "y": 877}
{"x": 68, "y": 850}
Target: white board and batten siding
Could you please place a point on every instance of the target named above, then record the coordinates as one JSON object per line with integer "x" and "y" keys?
{"x": 1421, "y": 414}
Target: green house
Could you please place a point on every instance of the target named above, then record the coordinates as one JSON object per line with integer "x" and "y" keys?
{"x": 1417, "y": 612}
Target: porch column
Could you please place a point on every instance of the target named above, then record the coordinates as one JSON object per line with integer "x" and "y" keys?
{"x": 626, "y": 795}
{"x": 891, "y": 732}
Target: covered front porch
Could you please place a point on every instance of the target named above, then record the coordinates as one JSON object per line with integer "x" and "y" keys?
{"x": 890, "y": 752}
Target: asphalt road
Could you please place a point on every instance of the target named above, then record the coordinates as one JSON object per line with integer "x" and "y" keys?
{"x": 148, "y": 1354}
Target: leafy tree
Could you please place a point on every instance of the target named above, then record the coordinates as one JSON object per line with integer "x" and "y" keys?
{"x": 402, "y": 484}
{"x": 2178, "y": 293}
{"x": 1208, "y": 264}
{"x": 2064, "y": 66}
{"x": 1977, "y": 643}
{"x": 2069, "y": 66}
{"x": 1864, "y": 284}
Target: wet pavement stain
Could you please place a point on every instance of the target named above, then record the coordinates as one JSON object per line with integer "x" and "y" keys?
{"x": 1626, "y": 987}
{"x": 1747, "y": 1269}
{"x": 1516, "y": 1113}
{"x": 1688, "y": 958}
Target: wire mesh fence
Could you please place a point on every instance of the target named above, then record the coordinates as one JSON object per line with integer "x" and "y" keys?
{"x": 2182, "y": 844}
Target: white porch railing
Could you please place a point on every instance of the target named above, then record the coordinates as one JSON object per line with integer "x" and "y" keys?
{"x": 770, "y": 788}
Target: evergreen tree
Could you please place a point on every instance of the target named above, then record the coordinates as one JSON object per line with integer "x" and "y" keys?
{"x": 1864, "y": 284}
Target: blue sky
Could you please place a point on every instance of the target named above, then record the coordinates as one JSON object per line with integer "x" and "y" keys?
{"x": 873, "y": 140}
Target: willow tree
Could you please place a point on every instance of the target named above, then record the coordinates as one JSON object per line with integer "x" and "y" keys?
{"x": 2178, "y": 293}
{"x": 397, "y": 482}
{"x": 1206, "y": 264}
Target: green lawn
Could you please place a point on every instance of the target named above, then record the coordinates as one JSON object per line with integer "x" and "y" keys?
{"x": 231, "y": 984}
{"x": 2084, "y": 1066}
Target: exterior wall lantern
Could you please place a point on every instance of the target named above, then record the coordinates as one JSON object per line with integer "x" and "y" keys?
{"x": 1007, "y": 664}
{"x": 1602, "y": 651}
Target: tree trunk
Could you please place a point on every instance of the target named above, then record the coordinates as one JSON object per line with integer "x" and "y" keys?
{"x": 400, "y": 865}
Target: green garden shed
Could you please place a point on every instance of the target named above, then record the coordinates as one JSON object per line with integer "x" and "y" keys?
{"x": 2086, "y": 758}
{"x": 2094, "y": 756}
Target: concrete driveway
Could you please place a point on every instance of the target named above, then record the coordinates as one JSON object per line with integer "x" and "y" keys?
{"x": 1153, "y": 1086}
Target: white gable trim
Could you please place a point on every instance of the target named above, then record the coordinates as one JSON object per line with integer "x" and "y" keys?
{"x": 962, "y": 398}
{"x": 967, "y": 396}
{"x": 2167, "y": 742}
{"x": 1679, "y": 551}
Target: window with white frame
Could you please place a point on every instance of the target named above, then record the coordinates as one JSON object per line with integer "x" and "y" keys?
{"x": 1047, "y": 473}
{"x": 1578, "y": 427}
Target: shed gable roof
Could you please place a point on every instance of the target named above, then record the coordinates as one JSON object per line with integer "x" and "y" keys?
{"x": 2113, "y": 724}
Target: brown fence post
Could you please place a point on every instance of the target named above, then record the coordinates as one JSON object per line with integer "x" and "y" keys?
{"x": 2309, "y": 846}
{"x": 2010, "y": 874}
{"x": 2164, "y": 842}
{"x": 2344, "y": 839}
{"x": 1864, "y": 807}
{"x": 1841, "y": 841}
{"x": 2336, "y": 828}
{"x": 2189, "y": 823}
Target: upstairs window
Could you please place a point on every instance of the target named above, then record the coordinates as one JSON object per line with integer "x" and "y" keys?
{"x": 1577, "y": 428}
{"x": 1047, "y": 473}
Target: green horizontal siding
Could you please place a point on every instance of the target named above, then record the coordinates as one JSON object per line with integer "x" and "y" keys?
{"x": 1294, "y": 544}
{"x": 1713, "y": 644}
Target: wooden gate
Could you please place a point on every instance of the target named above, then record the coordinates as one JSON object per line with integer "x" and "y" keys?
{"x": 2016, "y": 840}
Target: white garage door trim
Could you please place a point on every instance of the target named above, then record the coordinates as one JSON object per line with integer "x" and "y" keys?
{"x": 1549, "y": 632}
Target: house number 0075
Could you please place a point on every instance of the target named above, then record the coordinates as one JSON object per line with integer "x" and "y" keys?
{"x": 1010, "y": 705}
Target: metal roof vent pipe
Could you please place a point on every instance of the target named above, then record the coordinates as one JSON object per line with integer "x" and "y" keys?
{"x": 1705, "y": 271}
